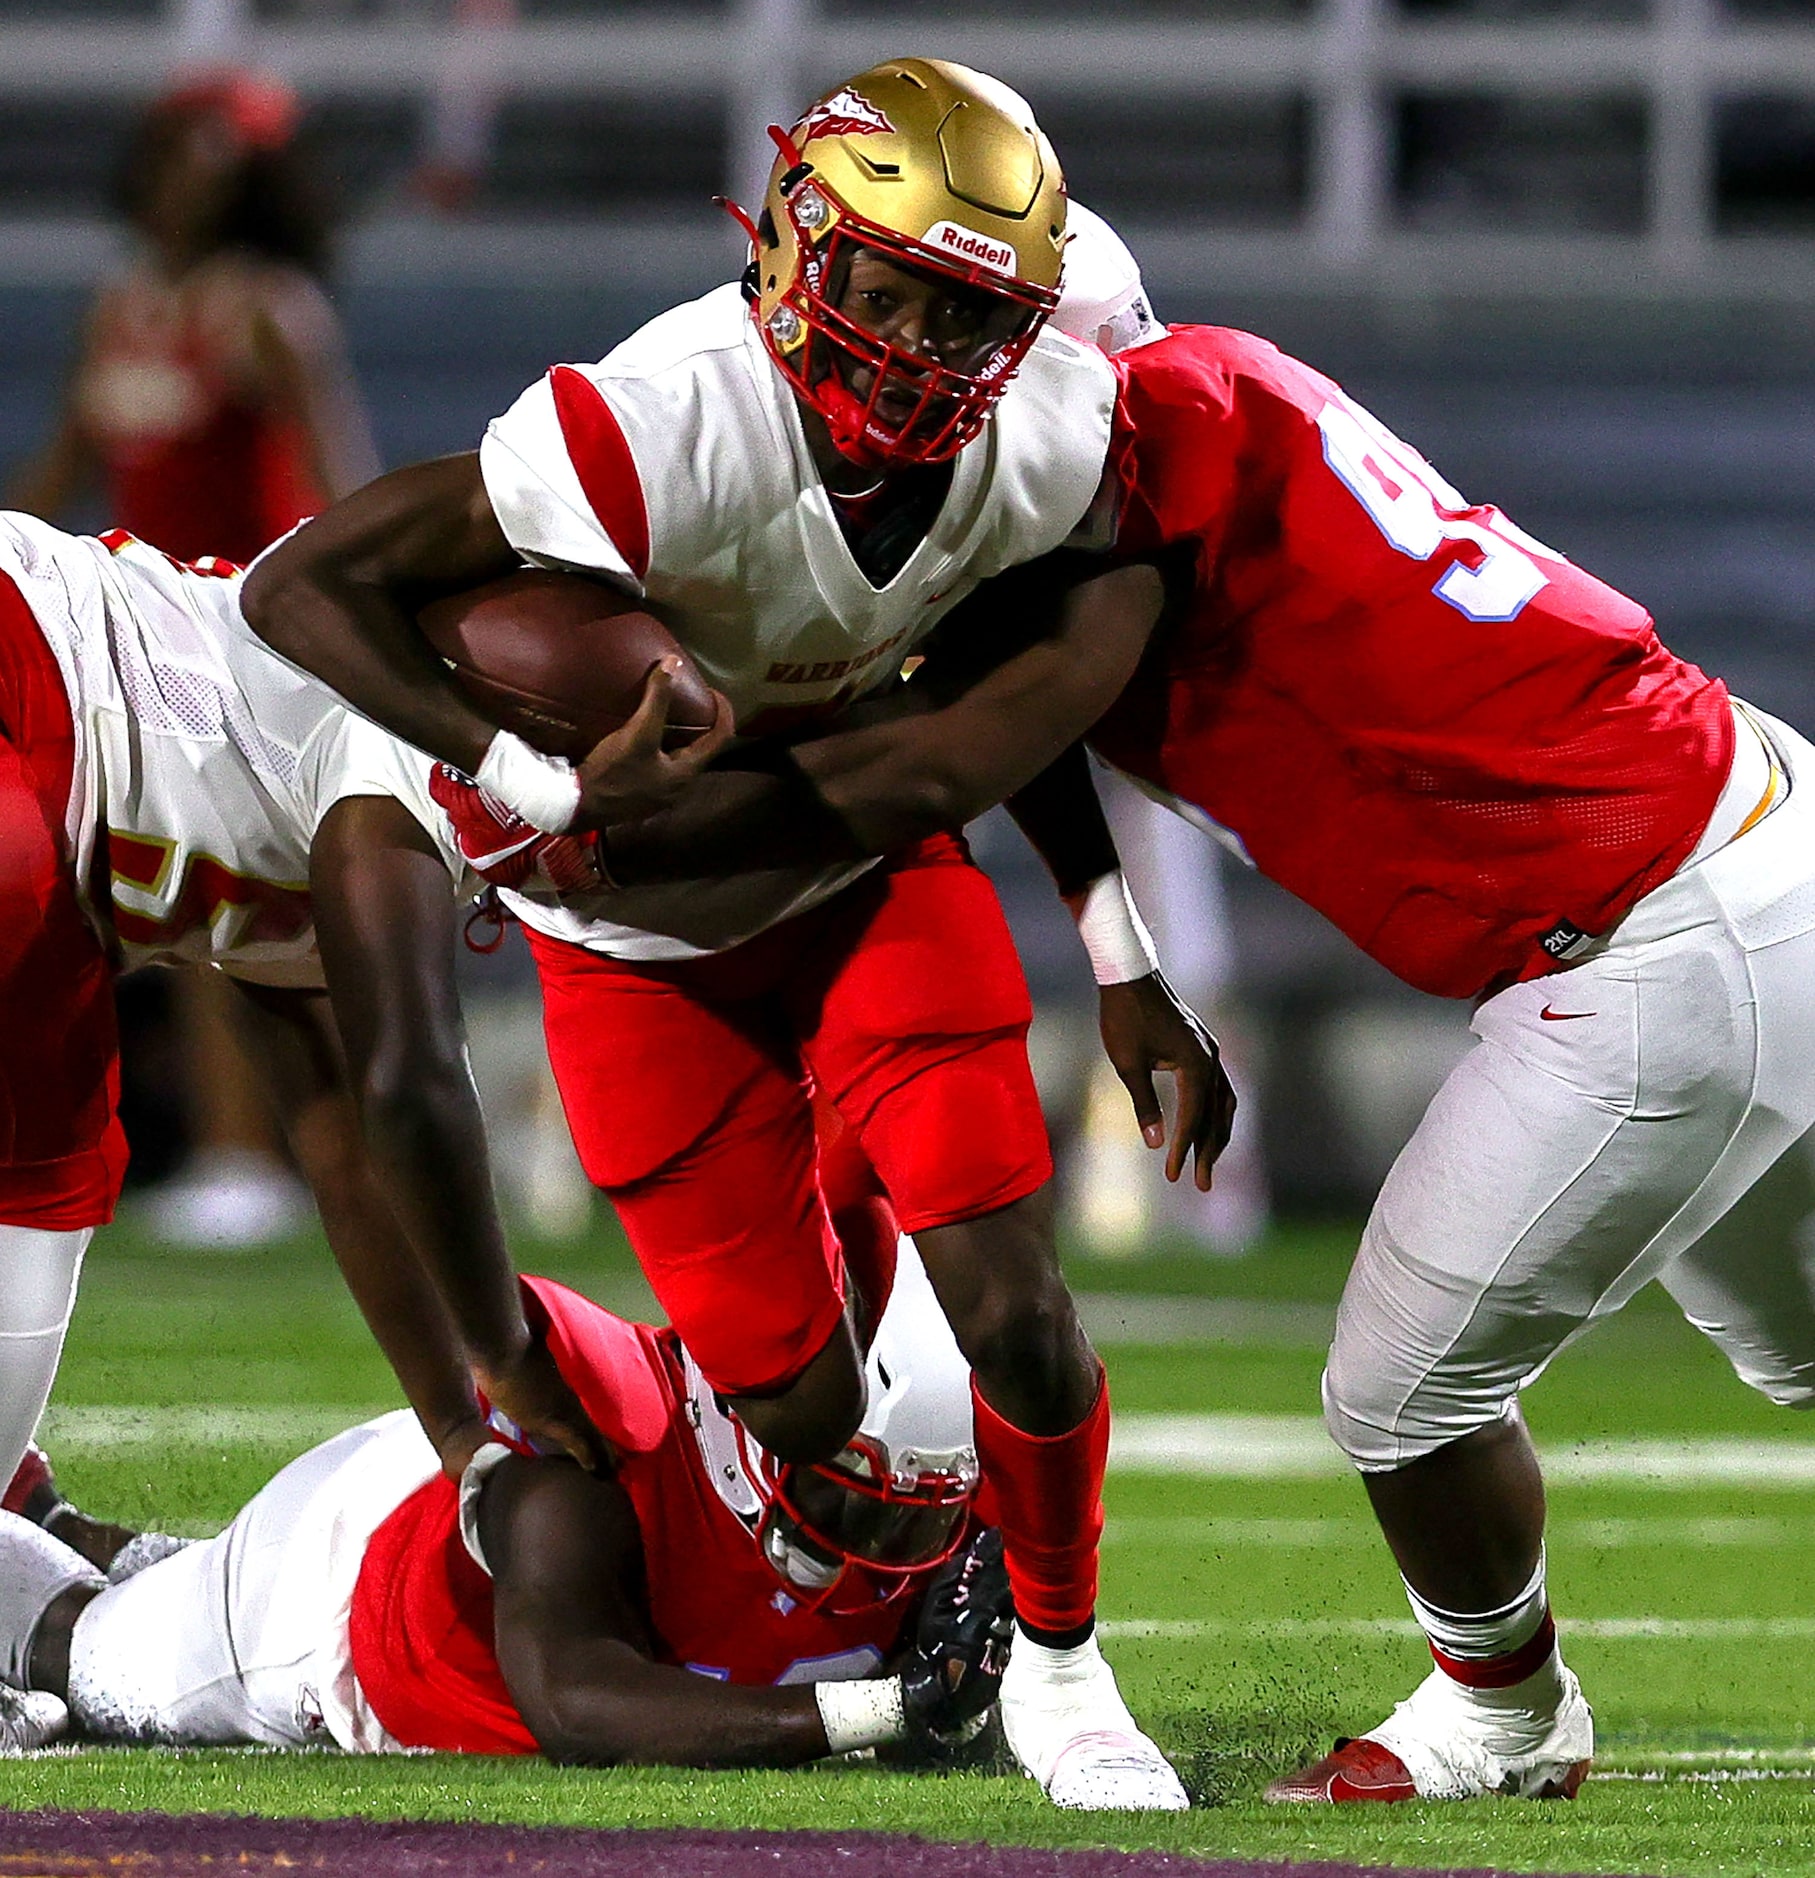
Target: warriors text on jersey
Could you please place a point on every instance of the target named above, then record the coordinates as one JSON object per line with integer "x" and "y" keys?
{"x": 204, "y": 763}
{"x": 421, "y": 1615}
{"x": 1458, "y": 747}
{"x": 678, "y": 467}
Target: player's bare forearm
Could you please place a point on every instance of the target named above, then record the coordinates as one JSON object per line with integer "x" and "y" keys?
{"x": 294, "y": 1039}
{"x": 571, "y": 1630}
{"x": 865, "y": 791}
{"x": 384, "y": 918}
{"x": 610, "y": 1706}
{"x": 1061, "y": 817}
{"x": 339, "y": 598}
{"x": 384, "y": 911}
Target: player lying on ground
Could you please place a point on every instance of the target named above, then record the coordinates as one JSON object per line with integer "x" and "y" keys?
{"x": 1482, "y": 765}
{"x": 701, "y": 1604}
{"x": 171, "y": 791}
{"x": 803, "y": 482}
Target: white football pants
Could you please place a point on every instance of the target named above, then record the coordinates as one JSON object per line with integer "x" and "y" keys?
{"x": 243, "y": 1639}
{"x": 1607, "y": 1118}
{"x": 38, "y": 1274}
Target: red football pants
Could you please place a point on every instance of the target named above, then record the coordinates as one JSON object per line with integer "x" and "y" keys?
{"x": 62, "y": 1152}
{"x": 690, "y": 1090}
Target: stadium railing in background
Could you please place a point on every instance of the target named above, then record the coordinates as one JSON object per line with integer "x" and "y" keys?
{"x": 1532, "y": 147}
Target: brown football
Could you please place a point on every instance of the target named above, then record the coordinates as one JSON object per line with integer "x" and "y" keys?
{"x": 561, "y": 659}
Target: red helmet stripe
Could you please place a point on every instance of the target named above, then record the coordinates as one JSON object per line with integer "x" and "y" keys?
{"x": 601, "y": 459}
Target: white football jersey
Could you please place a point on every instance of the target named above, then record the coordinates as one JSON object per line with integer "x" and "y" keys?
{"x": 678, "y": 468}
{"x": 204, "y": 762}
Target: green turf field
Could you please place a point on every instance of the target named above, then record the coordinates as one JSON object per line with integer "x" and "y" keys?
{"x": 1251, "y": 1614}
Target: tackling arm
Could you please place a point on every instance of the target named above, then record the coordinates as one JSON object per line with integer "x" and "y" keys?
{"x": 988, "y": 733}
{"x": 384, "y": 915}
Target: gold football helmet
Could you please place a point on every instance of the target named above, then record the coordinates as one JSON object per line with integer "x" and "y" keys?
{"x": 939, "y": 170}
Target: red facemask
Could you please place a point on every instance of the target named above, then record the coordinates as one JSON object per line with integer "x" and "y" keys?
{"x": 947, "y": 406}
{"x": 879, "y": 1535}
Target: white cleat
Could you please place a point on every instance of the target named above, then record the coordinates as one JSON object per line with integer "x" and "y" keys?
{"x": 30, "y": 1719}
{"x": 1071, "y": 1731}
{"x": 1457, "y": 1744}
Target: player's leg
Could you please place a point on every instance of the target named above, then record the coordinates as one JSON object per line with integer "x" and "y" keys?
{"x": 1605, "y": 1121}
{"x": 61, "y": 1151}
{"x": 38, "y": 1274}
{"x": 239, "y": 1639}
{"x": 914, "y": 1014}
{"x": 695, "y": 1117}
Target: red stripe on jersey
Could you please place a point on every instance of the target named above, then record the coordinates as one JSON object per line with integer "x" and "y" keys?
{"x": 602, "y": 461}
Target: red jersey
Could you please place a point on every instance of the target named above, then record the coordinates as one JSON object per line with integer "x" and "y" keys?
{"x": 1459, "y": 748}
{"x": 421, "y": 1621}
{"x": 194, "y": 463}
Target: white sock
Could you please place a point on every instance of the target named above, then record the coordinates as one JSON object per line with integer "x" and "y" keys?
{"x": 1504, "y": 1661}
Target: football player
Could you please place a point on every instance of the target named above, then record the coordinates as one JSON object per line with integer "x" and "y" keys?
{"x": 702, "y": 1603}
{"x": 804, "y": 476}
{"x": 1482, "y": 765}
{"x": 170, "y": 790}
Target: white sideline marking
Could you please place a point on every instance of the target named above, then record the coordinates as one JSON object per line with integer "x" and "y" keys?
{"x": 1274, "y": 1447}
{"x": 1605, "y": 1629}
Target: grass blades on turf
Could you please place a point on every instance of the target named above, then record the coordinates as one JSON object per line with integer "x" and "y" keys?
{"x": 1250, "y": 1619}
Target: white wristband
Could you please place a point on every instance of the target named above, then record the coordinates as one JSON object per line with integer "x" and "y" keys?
{"x": 860, "y": 1714}
{"x": 1120, "y": 946}
{"x": 542, "y": 789}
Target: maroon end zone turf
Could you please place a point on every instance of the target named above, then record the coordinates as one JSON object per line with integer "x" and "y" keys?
{"x": 163, "y": 1845}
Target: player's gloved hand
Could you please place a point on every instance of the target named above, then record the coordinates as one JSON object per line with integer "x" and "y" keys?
{"x": 1148, "y": 1028}
{"x": 508, "y": 851}
{"x": 529, "y": 1389}
{"x": 961, "y": 1643}
{"x": 631, "y": 773}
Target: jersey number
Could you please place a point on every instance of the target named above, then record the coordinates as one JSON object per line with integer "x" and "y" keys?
{"x": 1406, "y": 498}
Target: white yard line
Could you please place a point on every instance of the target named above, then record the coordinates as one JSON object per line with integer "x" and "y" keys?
{"x": 1277, "y": 1447}
{"x": 240, "y": 1425}
{"x": 1253, "y": 1447}
{"x": 1114, "y": 1317}
{"x": 1604, "y": 1629}
{"x": 1360, "y": 1533}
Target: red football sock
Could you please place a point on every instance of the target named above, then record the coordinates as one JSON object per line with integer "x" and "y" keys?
{"x": 1046, "y": 1493}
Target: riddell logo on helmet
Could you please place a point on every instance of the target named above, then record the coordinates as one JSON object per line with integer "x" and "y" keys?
{"x": 844, "y": 114}
{"x": 955, "y": 238}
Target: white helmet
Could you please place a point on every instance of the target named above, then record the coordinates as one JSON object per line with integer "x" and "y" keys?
{"x": 1102, "y": 299}
{"x": 891, "y": 1505}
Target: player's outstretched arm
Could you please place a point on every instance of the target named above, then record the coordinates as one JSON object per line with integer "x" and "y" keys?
{"x": 1005, "y": 707}
{"x": 340, "y": 595}
{"x": 291, "y": 1035}
{"x": 384, "y": 918}
{"x": 572, "y": 1638}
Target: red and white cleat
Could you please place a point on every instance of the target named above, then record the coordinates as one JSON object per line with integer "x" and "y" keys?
{"x": 32, "y": 1491}
{"x": 1353, "y": 1770}
{"x": 1445, "y": 1742}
